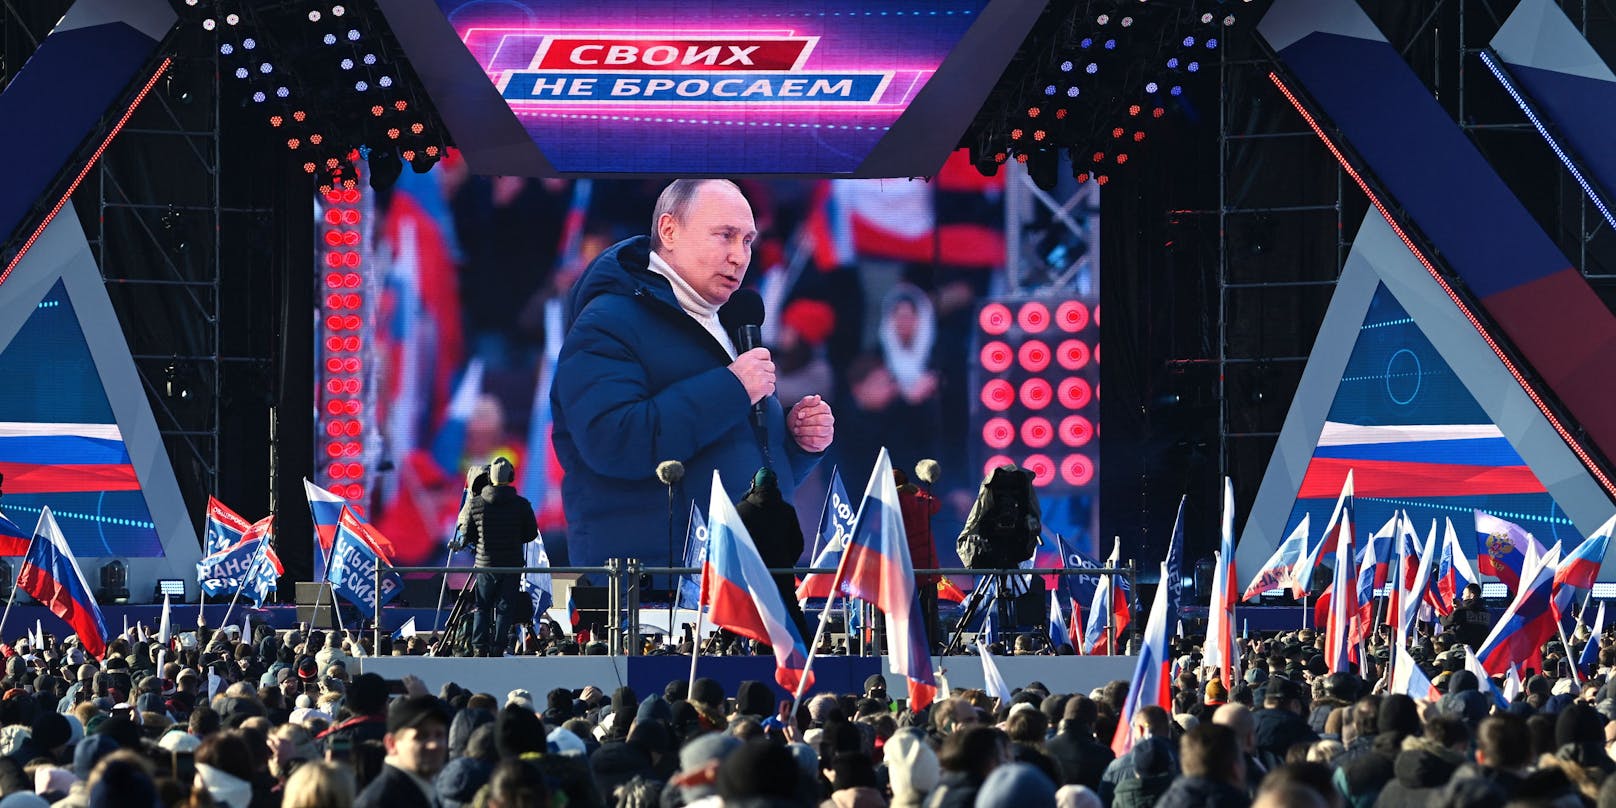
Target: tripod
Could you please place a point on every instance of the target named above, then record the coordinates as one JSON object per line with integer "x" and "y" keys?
{"x": 974, "y": 604}
{"x": 456, "y": 635}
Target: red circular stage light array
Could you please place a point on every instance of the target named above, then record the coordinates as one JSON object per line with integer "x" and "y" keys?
{"x": 1033, "y": 317}
{"x": 1075, "y": 430}
{"x": 1077, "y": 470}
{"x": 1034, "y": 356}
{"x": 997, "y": 356}
{"x": 342, "y": 381}
{"x": 1072, "y": 316}
{"x": 998, "y": 395}
{"x": 1042, "y": 468}
{"x": 1037, "y": 432}
{"x": 1073, "y": 354}
{"x": 1035, "y": 394}
{"x": 998, "y": 433}
{"x": 995, "y": 318}
{"x": 1075, "y": 393}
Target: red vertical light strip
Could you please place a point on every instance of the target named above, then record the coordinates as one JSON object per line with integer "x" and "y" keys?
{"x": 1542, "y": 406}
{"x": 343, "y": 324}
{"x": 84, "y": 172}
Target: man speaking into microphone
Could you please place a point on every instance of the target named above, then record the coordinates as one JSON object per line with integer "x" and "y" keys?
{"x": 648, "y": 372}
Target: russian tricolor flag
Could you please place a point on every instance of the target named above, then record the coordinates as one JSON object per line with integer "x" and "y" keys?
{"x": 876, "y": 569}
{"x": 1527, "y": 624}
{"x": 52, "y": 576}
{"x": 1581, "y": 567}
{"x": 1150, "y": 683}
{"x": 1589, "y": 660}
{"x": 742, "y": 597}
{"x": 1454, "y": 572}
{"x": 326, "y": 509}
{"x": 1502, "y": 548}
{"x": 1057, "y": 623}
{"x": 1337, "y": 637}
{"x": 1283, "y": 569}
{"x": 1219, "y": 650}
{"x": 1110, "y": 606}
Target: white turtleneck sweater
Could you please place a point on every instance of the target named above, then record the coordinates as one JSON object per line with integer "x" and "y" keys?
{"x": 704, "y": 313}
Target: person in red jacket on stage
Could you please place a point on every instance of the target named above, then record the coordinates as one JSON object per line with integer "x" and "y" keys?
{"x": 918, "y": 508}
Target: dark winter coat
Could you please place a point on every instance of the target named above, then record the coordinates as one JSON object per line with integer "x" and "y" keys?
{"x": 501, "y": 522}
{"x": 1278, "y": 730}
{"x": 1421, "y": 769}
{"x": 1199, "y": 792}
{"x": 1081, "y": 758}
{"x": 1142, "y": 792}
{"x": 772, "y": 523}
{"x": 638, "y": 381}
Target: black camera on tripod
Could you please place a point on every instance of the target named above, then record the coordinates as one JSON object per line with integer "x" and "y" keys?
{"x": 1003, "y": 526}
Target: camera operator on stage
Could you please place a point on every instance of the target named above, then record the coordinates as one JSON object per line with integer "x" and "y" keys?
{"x": 650, "y": 372}
{"x": 498, "y": 522}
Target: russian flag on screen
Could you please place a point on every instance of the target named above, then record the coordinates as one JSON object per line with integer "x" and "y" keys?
{"x": 57, "y": 458}
{"x": 13, "y": 541}
{"x": 743, "y": 598}
{"x": 1417, "y": 461}
{"x": 52, "y": 576}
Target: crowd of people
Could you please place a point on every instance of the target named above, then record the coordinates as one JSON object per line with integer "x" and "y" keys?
{"x": 283, "y": 718}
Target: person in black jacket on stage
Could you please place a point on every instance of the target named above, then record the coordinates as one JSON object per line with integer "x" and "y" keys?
{"x": 498, "y": 523}
{"x": 772, "y": 523}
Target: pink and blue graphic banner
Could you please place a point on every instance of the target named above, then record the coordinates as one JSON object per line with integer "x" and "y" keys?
{"x": 772, "y": 87}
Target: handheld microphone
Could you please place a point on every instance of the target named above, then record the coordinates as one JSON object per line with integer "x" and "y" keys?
{"x": 670, "y": 471}
{"x": 742, "y": 317}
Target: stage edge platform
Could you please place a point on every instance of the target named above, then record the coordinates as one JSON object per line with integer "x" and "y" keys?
{"x": 648, "y": 675}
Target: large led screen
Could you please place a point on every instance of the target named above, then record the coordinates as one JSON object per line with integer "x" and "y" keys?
{"x": 871, "y": 290}
{"x": 1415, "y": 439}
{"x": 60, "y": 444}
{"x": 774, "y": 87}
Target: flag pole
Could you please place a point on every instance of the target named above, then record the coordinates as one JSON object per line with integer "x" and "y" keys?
{"x": 695, "y": 647}
{"x": 258, "y": 556}
{"x": 824, "y": 617}
{"x": 13, "y": 598}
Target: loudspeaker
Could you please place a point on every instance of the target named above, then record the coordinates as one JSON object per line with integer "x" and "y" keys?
{"x": 305, "y": 593}
{"x": 326, "y": 618}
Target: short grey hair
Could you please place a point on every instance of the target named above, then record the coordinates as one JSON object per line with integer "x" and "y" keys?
{"x": 675, "y": 201}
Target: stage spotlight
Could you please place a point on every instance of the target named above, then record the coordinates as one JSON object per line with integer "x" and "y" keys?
{"x": 114, "y": 583}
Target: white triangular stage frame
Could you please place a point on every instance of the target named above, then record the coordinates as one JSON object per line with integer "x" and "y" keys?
{"x": 63, "y": 253}
{"x": 1379, "y": 257}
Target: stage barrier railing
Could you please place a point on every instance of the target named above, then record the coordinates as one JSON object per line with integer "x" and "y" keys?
{"x": 623, "y": 587}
